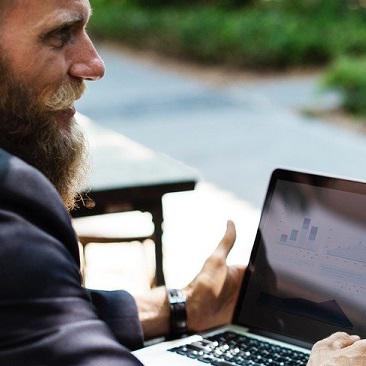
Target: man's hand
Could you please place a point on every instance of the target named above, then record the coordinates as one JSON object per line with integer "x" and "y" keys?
{"x": 340, "y": 349}
{"x": 212, "y": 295}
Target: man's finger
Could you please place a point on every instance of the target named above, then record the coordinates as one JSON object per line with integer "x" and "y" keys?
{"x": 343, "y": 343}
{"x": 360, "y": 344}
{"x": 344, "y": 340}
{"x": 336, "y": 340}
{"x": 355, "y": 337}
{"x": 227, "y": 241}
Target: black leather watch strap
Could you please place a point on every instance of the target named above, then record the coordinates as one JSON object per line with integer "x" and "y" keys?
{"x": 178, "y": 313}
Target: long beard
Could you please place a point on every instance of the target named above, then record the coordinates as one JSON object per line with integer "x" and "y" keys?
{"x": 29, "y": 130}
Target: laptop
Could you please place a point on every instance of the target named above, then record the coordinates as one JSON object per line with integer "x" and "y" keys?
{"x": 306, "y": 279}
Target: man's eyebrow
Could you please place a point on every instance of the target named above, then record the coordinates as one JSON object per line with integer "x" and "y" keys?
{"x": 63, "y": 21}
{"x": 65, "y": 24}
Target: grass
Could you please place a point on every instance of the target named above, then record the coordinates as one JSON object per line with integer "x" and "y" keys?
{"x": 268, "y": 34}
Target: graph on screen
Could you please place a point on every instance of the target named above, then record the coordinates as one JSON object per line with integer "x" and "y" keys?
{"x": 303, "y": 237}
{"x": 343, "y": 275}
{"x": 355, "y": 253}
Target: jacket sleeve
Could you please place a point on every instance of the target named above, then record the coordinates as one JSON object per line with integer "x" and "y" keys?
{"x": 46, "y": 317}
{"x": 118, "y": 309}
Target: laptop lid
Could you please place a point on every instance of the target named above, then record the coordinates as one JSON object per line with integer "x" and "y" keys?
{"x": 307, "y": 272}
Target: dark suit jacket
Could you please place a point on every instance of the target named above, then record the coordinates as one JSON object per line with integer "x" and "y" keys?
{"x": 46, "y": 317}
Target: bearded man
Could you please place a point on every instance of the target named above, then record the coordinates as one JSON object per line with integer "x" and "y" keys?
{"x": 46, "y": 317}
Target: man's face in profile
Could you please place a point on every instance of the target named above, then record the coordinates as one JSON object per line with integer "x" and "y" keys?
{"x": 45, "y": 56}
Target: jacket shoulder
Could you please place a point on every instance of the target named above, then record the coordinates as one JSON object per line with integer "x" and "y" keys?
{"x": 28, "y": 194}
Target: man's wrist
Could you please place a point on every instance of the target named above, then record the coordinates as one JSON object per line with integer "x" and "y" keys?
{"x": 154, "y": 312}
{"x": 178, "y": 313}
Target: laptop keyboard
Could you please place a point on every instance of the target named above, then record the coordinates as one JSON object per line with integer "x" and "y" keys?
{"x": 231, "y": 349}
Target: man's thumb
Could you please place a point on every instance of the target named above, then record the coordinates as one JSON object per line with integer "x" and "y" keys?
{"x": 228, "y": 240}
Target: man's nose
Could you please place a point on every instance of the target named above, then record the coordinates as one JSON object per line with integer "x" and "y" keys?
{"x": 87, "y": 64}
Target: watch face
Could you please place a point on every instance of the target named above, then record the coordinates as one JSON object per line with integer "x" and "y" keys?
{"x": 176, "y": 296}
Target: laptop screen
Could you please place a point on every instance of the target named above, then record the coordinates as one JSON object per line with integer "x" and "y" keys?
{"x": 307, "y": 274}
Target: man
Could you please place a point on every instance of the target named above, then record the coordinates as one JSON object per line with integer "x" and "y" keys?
{"x": 46, "y": 317}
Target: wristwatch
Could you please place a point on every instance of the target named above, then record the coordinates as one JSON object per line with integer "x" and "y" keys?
{"x": 178, "y": 313}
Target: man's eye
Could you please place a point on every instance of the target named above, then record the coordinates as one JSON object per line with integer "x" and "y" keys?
{"x": 60, "y": 38}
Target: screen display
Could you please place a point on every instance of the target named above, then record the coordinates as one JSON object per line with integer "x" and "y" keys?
{"x": 308, "y": 271}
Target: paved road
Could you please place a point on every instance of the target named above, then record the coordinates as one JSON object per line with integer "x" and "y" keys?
{"x": 235, "y": 136}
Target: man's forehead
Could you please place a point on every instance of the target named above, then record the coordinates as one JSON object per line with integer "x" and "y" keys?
{"x": 48, "y": 12}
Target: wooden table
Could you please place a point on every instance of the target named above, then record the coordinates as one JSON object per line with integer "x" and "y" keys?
{"x": 127, "y": 176}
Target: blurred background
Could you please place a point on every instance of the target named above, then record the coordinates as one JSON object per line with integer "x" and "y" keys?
{"x": 233, "y": 89}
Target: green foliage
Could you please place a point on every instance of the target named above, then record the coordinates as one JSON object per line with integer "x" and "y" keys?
{"x": 329, "y": 7}
{"x": 348, "y": 75}
{"x": 187, "y": 3}
{"x": 266, "y": 34}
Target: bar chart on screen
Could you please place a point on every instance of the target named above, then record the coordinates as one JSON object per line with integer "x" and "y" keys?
{"x": 303, "y": 237}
